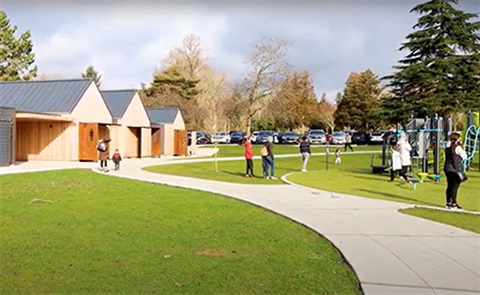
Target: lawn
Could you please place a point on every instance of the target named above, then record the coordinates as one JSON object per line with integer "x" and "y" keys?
{"x": 280, "y": 149}
{"x": 462, "y": 220}
{"x": 229, "y": 171}
{"x": 78, "y": 232}
{"x": 352, "y": 176}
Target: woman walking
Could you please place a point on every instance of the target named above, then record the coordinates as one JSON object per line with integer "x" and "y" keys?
{"x": 453, "y": 168}
{"x": 404, "y": 148}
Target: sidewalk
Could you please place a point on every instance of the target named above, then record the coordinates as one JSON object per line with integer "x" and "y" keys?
{"x": 392, "y": 253}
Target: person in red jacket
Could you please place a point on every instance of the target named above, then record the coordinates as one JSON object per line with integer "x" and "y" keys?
{"x": 249, "y": 157}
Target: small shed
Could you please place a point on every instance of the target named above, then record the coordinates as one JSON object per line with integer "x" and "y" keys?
{"x": 169, "y": 136}
{"x": 55, "y": 119}
{"x": 131, "y": 133}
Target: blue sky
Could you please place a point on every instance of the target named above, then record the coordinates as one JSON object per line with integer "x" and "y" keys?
{"x": 126, "y": 40}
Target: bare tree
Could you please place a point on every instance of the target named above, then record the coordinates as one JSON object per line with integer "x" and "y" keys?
{"x": 269, "y": 66}
{"x": 189, "y": 57}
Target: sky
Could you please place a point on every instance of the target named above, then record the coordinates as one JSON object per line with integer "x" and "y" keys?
{"x": 126, "y": 40}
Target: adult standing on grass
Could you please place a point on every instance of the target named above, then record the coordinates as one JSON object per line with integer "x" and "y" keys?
{"x": 305, "y": 152}
{"x": 404, "y": 148}
{"x": 104, "y": 154}
{"x": 249, "y": 157}
{"x": 268, "y": 163}
{"x": 453, "y": 168}
{"x": 348, "y": 142}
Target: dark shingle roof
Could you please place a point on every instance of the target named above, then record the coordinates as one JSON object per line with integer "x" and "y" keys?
{"x": 163, "y": 115}
{"x": 54, "y": 96}
{"x": 118, "y": 100}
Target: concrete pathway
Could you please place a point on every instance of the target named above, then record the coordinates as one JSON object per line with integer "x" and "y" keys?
{"x": 391, "y": 253}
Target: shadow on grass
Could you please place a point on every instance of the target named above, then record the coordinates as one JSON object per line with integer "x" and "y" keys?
{"x": 234, "y": 173}
{"x": 397, "y": 197}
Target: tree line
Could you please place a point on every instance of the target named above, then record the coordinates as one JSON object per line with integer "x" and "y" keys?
{"x": 440, "y": 73}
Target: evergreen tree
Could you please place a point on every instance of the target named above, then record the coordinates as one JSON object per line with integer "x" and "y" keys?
{"x": 359, "y": 101}
{"x": 90, "y": 72}
{"x": 441, "y": 72}
{"x": 16, "y": 55}
{"x": 171, "y": 89}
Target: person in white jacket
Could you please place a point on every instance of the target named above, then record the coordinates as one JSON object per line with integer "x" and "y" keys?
{"x": 396, "y": 163}
{"x": 404, "y": 148}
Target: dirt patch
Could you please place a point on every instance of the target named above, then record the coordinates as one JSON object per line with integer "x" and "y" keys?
{"x": 215, "y": 253}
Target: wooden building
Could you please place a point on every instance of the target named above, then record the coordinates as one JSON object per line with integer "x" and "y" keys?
{"x": 131, "y": 132}
{"x": 169, "y": 136}
{"x": 57, "y": 119}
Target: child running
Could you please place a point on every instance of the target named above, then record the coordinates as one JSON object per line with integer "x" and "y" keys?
{"x": 338, "y": 160}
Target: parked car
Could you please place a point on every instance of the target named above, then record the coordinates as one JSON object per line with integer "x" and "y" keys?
{"x": 263, "y": 136}
{"x": 237, "y": 137}
{"x": 317, "y": 136}
{"x": 289, "y": 137}
{"x": 203, "y": 138}
{"x": 377, "y": 137}
{"x": 360, "y": 138}
{"x": 339, "y": 137}
{"x": 254, "y": 136}
{"x": 221, "y": 137}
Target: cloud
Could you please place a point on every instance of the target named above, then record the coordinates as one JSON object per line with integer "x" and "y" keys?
{"x": 126, "y": 40}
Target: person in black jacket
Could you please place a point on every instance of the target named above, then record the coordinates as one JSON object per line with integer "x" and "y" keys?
{"x": 305, "y": 151}
{"x": 454, "y": 156}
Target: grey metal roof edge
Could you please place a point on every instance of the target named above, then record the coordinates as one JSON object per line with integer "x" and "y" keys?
{"x": 167, "y": 108}
{"x": 77, "y": 99}
{"x": 45, "y": 81}
{"x": 7, "y": 108}
{"x": 126, "y": 106}
{"x": 42, "y": 113}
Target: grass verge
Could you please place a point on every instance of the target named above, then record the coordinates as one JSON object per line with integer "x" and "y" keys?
{"x": 461, "y": 220}
{"x": 74, "y": 231}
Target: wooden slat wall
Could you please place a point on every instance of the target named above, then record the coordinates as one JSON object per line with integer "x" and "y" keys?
{"x": 181, "y": 143}
{"x": 43, "y": 141}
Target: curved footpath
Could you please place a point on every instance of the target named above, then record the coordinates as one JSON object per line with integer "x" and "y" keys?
{"x": 392, "y": 253}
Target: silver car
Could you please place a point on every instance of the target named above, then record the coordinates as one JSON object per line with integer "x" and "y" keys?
{"x": 317, "y": 136}
{"x": 339, "y": 137}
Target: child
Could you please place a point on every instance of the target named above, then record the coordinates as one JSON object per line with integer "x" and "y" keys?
{"x": 116, "y": 158}
{"x": 396, "y": 163}
{"x": 338, "y": 160}
{"x": 249, "y": 157}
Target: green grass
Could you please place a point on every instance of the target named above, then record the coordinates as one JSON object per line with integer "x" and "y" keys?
{"x": 280, "y": 149}
{"x": 78, "y": 232}
{"x": 462, "y": 220}
{"x": 354, "y": 177}
{"x": 228, "y": 171}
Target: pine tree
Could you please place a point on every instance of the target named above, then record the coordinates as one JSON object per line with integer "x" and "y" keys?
{"x": 441, "y": 72}
{"x": 360, "y": 99}
{"x": 90, "y": 72}
{"x": 16, "y": 55}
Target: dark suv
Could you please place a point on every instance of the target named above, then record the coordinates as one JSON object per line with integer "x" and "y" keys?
{"x": 359, "y": 138}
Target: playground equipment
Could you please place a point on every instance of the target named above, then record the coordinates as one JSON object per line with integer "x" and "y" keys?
{"x": 471, "y": 135}
{"x": 426, "y": 136}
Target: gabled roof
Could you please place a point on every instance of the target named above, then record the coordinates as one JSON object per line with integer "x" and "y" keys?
{"x": 53, "y": 96}
{"x": 118, "y": 101}
{"x": 162, "y": 115}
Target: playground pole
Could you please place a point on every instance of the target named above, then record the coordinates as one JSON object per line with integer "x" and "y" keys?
{"x": 436, "y": 151}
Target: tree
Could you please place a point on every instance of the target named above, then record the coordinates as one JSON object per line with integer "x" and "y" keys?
{"x": 269, "y": 66}
{"x": 441, "y": 72}
{"x": 360, "y": 99}
{"x": 189, "y": 58}
{"x": 16, "y": 55}
{"x": 325, "y": 114}
{"x": 90, "y": 72}
{"x": 295, "y": 102}
{"x": 170, "y": 89}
